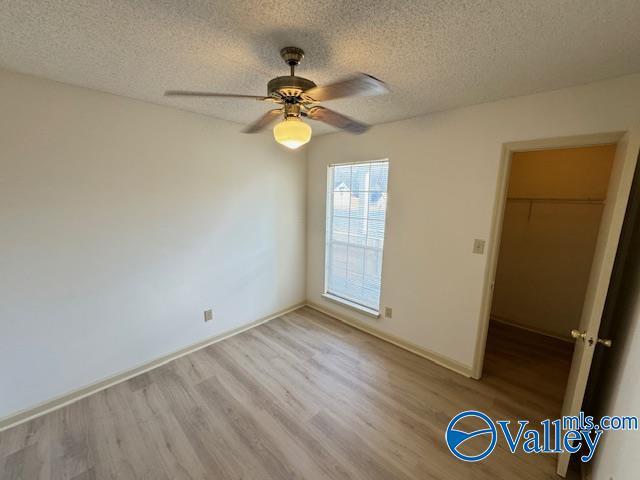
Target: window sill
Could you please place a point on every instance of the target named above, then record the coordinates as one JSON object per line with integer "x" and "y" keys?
{"x": 354, "y": 306}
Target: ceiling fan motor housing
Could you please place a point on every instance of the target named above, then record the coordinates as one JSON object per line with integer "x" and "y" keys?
{"x": 288, "y": 87}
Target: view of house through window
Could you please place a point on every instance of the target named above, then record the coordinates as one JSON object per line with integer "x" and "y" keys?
{"x": 356, "y": 210}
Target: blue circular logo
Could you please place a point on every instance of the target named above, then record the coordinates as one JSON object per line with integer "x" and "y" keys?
{"x": 456, "y": 438}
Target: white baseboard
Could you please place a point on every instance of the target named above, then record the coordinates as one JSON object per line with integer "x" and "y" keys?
{"x": 422, "y": 352}
{"x": 63, "y": 400}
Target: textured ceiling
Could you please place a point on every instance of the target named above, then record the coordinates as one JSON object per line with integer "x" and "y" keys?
{"x": 434, "y": 55}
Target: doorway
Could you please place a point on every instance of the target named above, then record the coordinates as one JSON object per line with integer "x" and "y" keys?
{"x": 555, "y": 200}
{"x": 551, "y": 210}
{"x": 554, "y": 204}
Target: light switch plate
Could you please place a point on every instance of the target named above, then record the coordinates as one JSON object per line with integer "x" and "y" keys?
{"x": 208, "y": 315}
{"x": 388, "y": 312}
{"x": 478, "y": 246}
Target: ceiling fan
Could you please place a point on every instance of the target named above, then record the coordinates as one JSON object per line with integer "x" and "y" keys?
{"x": 300, "y": 97}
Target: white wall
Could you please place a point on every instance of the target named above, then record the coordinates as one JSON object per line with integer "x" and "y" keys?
{"x": 442, "y": 187}
{"x": 121, "y": 222}
{"x": 544, "y": 264}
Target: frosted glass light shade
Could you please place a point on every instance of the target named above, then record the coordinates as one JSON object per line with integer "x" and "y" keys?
{"x": 292, "y": 132}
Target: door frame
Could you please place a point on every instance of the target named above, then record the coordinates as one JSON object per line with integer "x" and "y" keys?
{"x": 504, "y": 172}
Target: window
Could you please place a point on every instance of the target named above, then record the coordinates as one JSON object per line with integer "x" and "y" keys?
{"x": 356, "y": 211}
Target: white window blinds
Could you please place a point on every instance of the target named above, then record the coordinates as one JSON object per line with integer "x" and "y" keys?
{"x": 356, "y": 211}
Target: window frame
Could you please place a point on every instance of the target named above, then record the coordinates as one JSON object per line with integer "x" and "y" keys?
{"x": 348, "y": 302}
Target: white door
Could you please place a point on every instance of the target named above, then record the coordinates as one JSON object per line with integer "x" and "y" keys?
{"x": 601, "y": 268}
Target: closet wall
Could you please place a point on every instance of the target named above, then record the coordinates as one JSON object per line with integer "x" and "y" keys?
{"x": 551, "y": 220}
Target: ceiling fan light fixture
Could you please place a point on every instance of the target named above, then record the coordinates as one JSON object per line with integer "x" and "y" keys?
{"x": 292, "y": 132}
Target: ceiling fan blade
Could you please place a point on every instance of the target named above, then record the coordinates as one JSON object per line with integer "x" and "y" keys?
{"x": 184, "y": 93}
{"x": 360, "y": 84}
{"x": 336, "y": 119}
{"x": 264, "y": 121}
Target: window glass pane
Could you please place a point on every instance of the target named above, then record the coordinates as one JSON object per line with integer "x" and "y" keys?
{"x": 372, "y": 264}
{"x": 341, "y": 203}
{"x": 357, "y": 231}
{"x": 337, "y": 263}
{"x": 377, "y": 205}
{"x": 340, "y": 231}
{"x": 360, "y": 177}
{"x": 355, "y": 260}
{"x": 341, "y": 178}
{"x": 358, "y": 205}
{"x": 339, "y": 258}
{"x": 353, "y": 290}
{"x": 370, "y": 296}
{"x": 356, "y": 211}
{"x": 375, "y": 233}
{"x": 378, "y": 182}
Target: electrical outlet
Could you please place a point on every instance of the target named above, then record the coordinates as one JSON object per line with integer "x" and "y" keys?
{"x": 478, "y": 246}
{"x": 388, "y": 312}
{"x": 208, "y": 315}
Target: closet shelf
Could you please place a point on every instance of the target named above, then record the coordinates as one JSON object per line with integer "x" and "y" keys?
{"x": 588, "y": 201}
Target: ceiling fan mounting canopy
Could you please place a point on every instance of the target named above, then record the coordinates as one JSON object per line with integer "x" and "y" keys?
{"x": 300, "y": 97}
{"x": 292, "y": 55}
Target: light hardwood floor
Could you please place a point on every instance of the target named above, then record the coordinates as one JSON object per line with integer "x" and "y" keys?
{"x": 303, "y": 396}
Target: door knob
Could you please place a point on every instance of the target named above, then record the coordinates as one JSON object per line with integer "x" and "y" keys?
{"x": 583, "y": 335}
{"x": 605, "y": 342}
{"x": 578, "y": 334}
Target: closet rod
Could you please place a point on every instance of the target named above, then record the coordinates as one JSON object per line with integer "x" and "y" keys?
{"x": 588, "y": 201}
